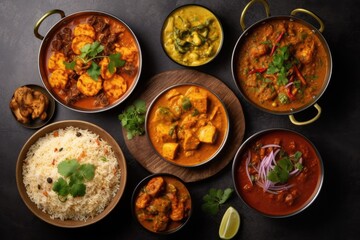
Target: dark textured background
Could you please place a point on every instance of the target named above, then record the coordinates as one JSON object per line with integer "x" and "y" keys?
{"x": 334, "y": 215}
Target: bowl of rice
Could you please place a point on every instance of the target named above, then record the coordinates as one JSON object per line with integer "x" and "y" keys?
{"x": 71, "y": 173}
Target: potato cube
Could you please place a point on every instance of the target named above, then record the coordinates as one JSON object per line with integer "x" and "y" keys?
{"x": 207, "y": 134}
{"x": 166, "y": 133}
{"x": 169, "y": 150}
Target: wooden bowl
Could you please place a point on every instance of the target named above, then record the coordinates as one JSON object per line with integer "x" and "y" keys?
{"x": 103, "y": 135}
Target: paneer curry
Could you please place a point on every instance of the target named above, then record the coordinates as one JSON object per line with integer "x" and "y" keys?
{"x": 187, "y": 125}
{"x": 163, "y": 204}
{"x": 278, "y": 173}
{"x": 192, "y": 35}
{"x": 92, "y": 61}
{"x": 281, "y": 65}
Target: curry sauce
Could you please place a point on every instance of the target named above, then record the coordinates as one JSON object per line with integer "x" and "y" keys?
{"x": 281, "y": 65}
{"x": 91, "y": 62}
{"x": 187, "y": 125}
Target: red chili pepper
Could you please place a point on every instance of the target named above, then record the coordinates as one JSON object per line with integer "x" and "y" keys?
{"x": 257, "y": 70}
{"x": 277, "y": 40}
{"x": 289, "y": 93}
{"x": 299, "y": 75}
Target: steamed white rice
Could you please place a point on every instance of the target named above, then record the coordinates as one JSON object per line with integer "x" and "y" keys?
{"x": 85, "y": 146}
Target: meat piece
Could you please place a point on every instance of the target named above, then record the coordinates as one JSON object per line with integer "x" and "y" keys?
{"x": 155, "y": 186}
{"x": 191, "y": 142}
{"x": 28, "y": 104}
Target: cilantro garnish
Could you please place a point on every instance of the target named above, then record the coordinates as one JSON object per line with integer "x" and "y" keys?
{"x": 89, "y": 52}
{"x": 133, "y": 118}
{"x": 280, "y": 65}
{"x": 214, "y": 199}
{"x": 281, "y": 172}
{"x": 77, "y": 174}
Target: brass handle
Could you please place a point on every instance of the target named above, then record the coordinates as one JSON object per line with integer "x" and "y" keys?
{"x": 242, "y": 17}
{"x": 294, "y": 121}
{"x": 38, "y": 23}
{"x": 297, "y": 10}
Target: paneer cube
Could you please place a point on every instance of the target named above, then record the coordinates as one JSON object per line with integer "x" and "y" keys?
{"x": 191, "y": 142}
{"x": 198, "y": 98}
{"x": 166, "y": 132}
{"x": 207, "y": 134}
{"x": 169, "y": 150}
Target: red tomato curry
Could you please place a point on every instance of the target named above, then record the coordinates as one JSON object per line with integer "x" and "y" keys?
{"x": 92, "y": 61}
{"x": 279, "y": 173}
{"x": 187, "y": 125}
{"x": 281, "y": 65}
{"x": 163, "y": 204}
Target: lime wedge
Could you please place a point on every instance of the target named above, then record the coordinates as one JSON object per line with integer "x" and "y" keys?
{"x": 230, "y": 224}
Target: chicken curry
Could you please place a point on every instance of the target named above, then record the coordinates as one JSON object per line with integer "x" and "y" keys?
{"x": 163, "y": 204}
{"x": 279, "y": 173}
{"x": 281, "y": 65}
{"x": 187, "y": 125}
{"x": 92, "y": 61}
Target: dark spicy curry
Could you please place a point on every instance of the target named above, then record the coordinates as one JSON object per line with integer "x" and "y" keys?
{"x": 187, "y": 125}
{"x": 92, "y": 61}
{"x": 279, "y": 173}
{"x": 163, "y": 204}
{"x": 282, "y": 65}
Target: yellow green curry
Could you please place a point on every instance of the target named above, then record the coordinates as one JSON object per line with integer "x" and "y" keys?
{"x": 192, "y": 35}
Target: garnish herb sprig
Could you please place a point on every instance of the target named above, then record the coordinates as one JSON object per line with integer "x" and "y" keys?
{"x": 133, "y": 118}
{"x": 214, "y": 199}
{"x": 77, "y": 174}
{"x": 89, "y": 52}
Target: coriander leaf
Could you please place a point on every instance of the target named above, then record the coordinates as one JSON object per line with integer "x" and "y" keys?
{"x": 70, "y": 65}
{"x": 104, "y": 159}
{"x": 210, "y": 207}
{"x": 140, "y": 105}
{"x": 278, "y": 175}
{"x": 61, "y": 187}
{"x": 78, "y": 190}
{"x": 87, "y": 171}
{"x": 285, "y": 164}
{"x": 226, "y": 195}
{"x": 68, "y": 167}
{"x": 133, "y": 118}
{"x": 299, "y": 166}
{"x": 297, "y": 155}
{"x": 115, "y": 61}
{"x": 95, "y": 49}
{"x": 214, "y": 199}
{"x": 94, "y": 71}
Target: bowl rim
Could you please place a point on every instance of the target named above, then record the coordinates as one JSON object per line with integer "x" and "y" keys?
{"x": 215, "y": 154}
{"x": 184, "y": 6}
{"x": 142, "y": 183}
{"x": 50, "y": 34}
{"x": 61, "y": 125}
{"x": 237, "y": 160}
{"x": 38, "y": 123}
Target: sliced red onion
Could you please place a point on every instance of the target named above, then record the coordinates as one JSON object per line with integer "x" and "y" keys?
{"x": 289, "y": 84}
{"x": 247, "y": 166}
{"x": 271, "y": 145}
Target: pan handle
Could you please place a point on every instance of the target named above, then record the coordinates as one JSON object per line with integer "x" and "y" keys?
{"x": 38, "y": 23}
{"x": 242, "y": 17}
{"x": 301, "y": 10}
{"x": 295, "y": 122}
